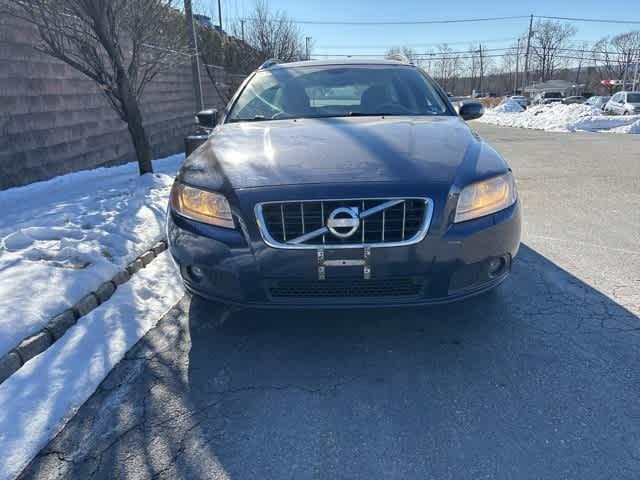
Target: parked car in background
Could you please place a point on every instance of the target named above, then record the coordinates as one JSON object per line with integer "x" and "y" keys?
{"x": 624, "y": 103}
{"x": 574, "y": 99}
{"x": 336, "y": 183}
{"x": 597, "y": 101}
{"x": 519, "y": 99}
{"x": 546, "y": 98}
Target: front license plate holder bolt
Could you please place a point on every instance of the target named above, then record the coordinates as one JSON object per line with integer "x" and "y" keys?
{"x": 365, "y": 262}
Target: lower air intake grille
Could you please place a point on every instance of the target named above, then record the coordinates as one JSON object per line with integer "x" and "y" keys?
{"x": 346, "y": 288}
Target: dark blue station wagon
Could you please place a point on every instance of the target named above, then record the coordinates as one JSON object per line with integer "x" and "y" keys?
{"x": 354, "y": 183}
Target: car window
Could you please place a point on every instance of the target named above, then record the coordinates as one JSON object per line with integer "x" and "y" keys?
{"x": 633, "y": 97}
{"x": 311, "y": 92}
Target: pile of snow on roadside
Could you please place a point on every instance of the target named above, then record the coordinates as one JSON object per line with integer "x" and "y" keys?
{"x": 563, "y": 118}
{"x": 39, "y": 399}
{"x": 60, "y": 239}
{"x": 508, "y": 107}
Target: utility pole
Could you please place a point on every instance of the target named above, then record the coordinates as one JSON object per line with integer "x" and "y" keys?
{"x": 220, "y": 17}
{"x": 636, "y": 78}
{"x": 515, "y": 79}
{"x": 306, "y": 46}
{"x": 481, "y": 69}
{"x": 526, "y": 55}
{"x": 242, "y": 29}
{"x": 195, "y": 58}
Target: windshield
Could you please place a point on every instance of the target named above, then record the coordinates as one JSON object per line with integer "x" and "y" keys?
{"x": 633, "y": 97}
{"x": 337, "y": 91}
{"x": 552, "y": 95}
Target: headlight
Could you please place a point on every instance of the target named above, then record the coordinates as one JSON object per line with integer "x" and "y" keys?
{"x": 200, "y": 205}
{"x": 482, "y": 198}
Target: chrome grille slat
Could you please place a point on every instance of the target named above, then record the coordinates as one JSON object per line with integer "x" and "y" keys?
{"x": 322, "y": 216}
{"x": 404, "y": 217}
{"x": 363, "y": 227}
{"x": 383, "y": 222}
{"x": 284, "y": 231}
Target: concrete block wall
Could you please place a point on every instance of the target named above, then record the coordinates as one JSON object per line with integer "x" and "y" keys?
{"x": 54, "y": 120}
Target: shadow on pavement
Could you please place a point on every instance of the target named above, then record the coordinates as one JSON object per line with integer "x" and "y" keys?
{"x": 536, "y": 380}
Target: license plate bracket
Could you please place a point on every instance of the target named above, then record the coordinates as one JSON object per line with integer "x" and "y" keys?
{"x": 326, "y": 260}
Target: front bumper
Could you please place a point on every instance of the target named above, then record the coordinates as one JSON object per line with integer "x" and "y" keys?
{"x": 237, "y": 267}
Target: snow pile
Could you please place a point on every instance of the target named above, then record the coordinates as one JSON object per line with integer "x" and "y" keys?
{"x": 631, "y": 128}
{"x": 38, "y": 400}
{"x": 508, "y": 106}
{"x": 558, "y": 117}
{"x": 62, "y": 238}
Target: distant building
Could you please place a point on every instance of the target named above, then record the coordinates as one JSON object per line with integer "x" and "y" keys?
{"x": 565, "y": 87}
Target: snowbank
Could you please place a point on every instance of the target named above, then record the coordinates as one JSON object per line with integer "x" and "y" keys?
{"x": 563, "y": 118}
{"x": 38, "y": 400}
{"x": 60, "y": 239}
{"x": 508, "y": 107}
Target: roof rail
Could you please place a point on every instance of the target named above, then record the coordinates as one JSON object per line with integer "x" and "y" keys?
{"x": 269, "y": 63}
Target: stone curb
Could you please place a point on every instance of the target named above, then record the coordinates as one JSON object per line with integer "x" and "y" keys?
{"x": 38, "y": 342}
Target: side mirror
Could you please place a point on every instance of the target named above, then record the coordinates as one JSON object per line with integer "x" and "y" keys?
{"x": 207, "y": 118}
{"x": 471, "y": 111}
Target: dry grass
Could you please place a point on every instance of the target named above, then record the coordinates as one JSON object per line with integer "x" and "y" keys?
{"x": 490, "y": 102}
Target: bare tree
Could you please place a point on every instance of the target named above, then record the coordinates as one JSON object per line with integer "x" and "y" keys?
{"x": 549, "y": 40}
{"x": 426, "y": 61}
{"x": 617, "y": 56}
{"x": 472, "y": 66}
{"x": 447, "y": 66}
{"x": 120, "y": 44}
{"x": 273, "y": 34}
{"x": 581, "y": 56}
{"x": 506, "y": 73}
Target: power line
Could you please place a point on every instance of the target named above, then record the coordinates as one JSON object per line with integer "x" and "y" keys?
{"x": 454, "y": 20}
{"x": 466, "y": 54}
{"x": 590, "y": 20}
{"x": 404, "y": 22}
{"x": 412, "y": 45}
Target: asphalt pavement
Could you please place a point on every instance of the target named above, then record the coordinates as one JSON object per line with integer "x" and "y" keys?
{"x": 539, "y": 380}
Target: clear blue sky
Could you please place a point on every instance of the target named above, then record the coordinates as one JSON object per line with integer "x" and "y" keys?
{"x": 350, "y": 39}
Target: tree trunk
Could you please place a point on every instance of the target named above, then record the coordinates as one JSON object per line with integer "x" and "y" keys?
{"x": 126, "y": 95}
{"x": 133, "y": 117}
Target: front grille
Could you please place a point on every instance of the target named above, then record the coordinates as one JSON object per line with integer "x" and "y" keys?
{"x": 346, "y": 288}
{"x": 394, "y": 221}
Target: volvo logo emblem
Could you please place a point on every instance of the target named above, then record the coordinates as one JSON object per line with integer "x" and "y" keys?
{"x": 343, "y": 222}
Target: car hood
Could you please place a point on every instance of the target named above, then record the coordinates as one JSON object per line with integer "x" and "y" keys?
{"x": 340, "y": 150}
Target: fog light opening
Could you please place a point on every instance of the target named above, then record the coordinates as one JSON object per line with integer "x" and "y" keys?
{"x": 497, "y": 266}
{"x": 196, "y": 273}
